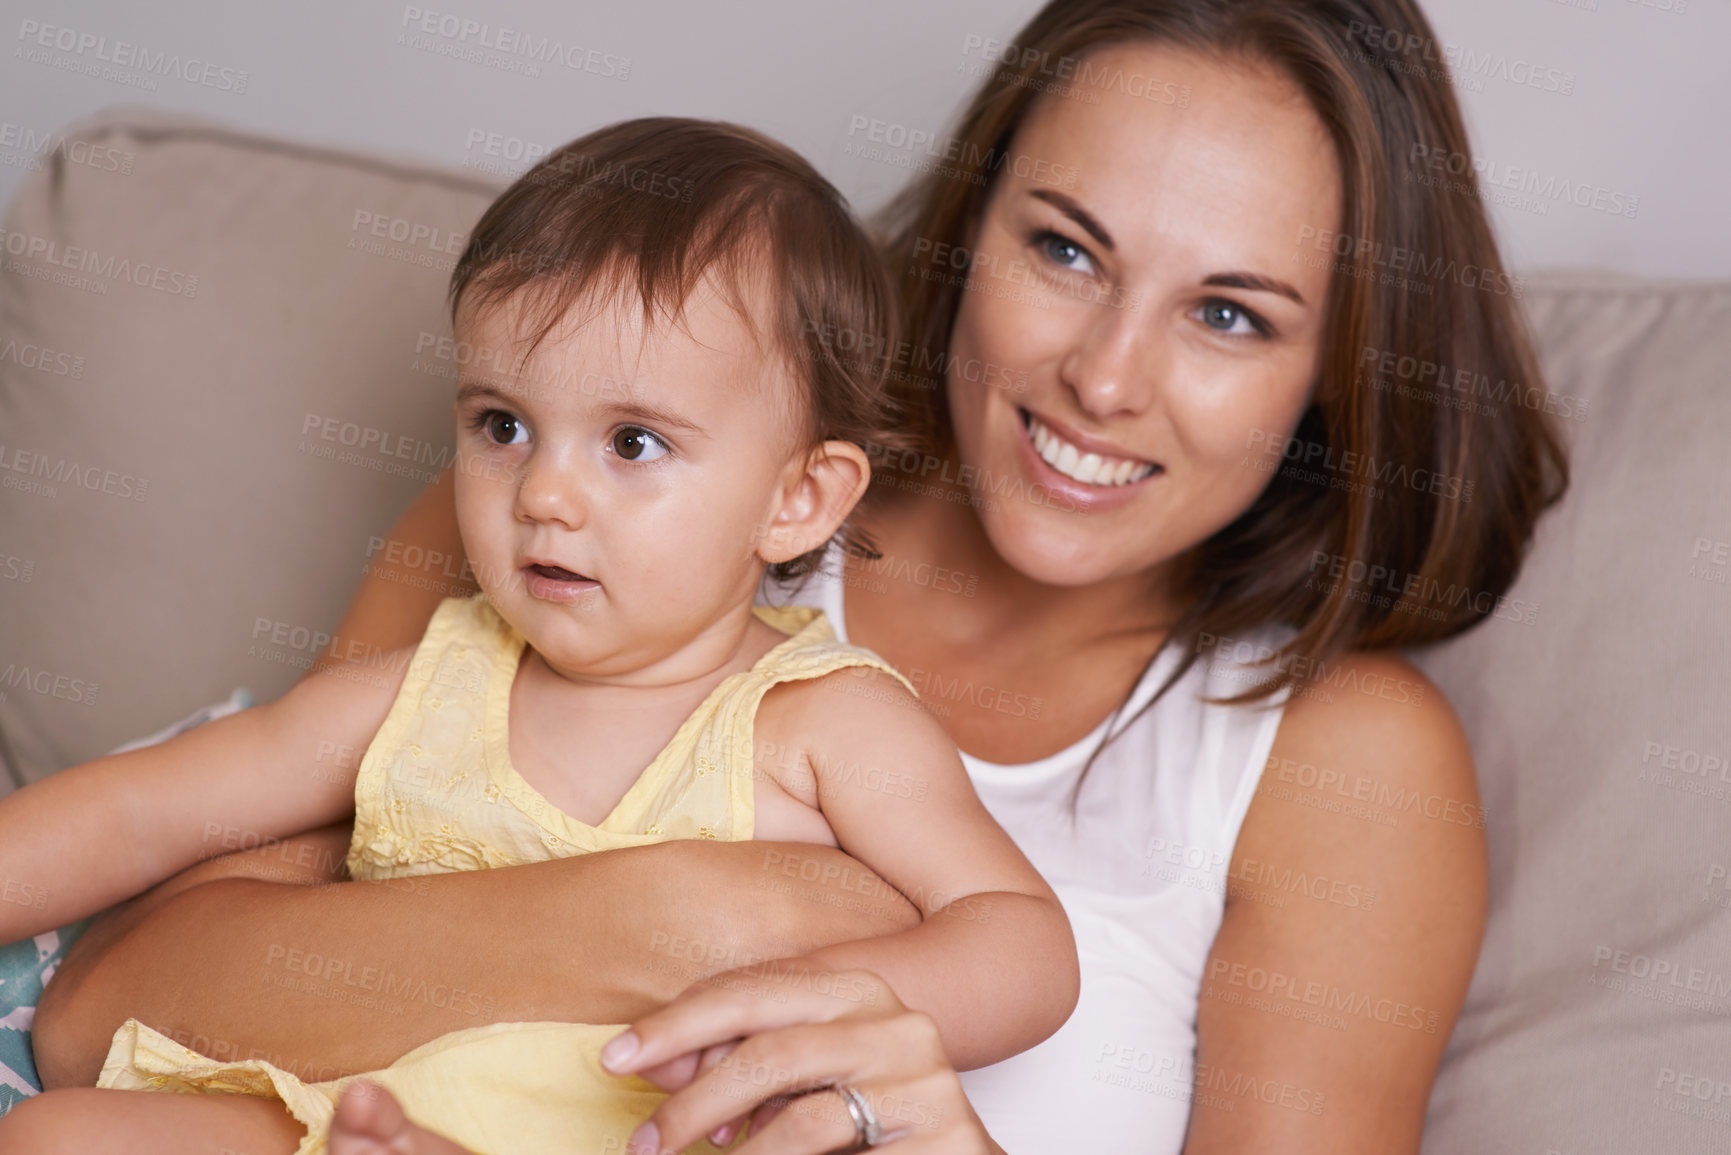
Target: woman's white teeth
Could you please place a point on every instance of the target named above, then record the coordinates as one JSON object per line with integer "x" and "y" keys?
{"x": 1088, "y": 468}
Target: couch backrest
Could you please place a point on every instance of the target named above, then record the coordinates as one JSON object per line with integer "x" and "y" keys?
{"x": 220, "y": 379}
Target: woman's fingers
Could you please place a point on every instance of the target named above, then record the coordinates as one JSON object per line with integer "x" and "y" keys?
{"x": 722, "y": 1135}
{"x": 764, "y": 1115}
{"x": 737, "y": 1003}
{"x": 775, "y": 1063}
{"x": 896, "y": 1059}
{"x": 675, "y": 1072}
{"x": 813, "y": 1123}
{"x": 930, "y": 1116}
{"x": 681, "y": 1069}
{"x": 753, "y": 1044}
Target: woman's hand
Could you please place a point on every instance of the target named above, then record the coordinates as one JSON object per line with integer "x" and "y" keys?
{"x": 734, "y": 1047}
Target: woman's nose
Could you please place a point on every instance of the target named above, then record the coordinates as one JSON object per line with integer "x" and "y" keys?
{"x": 1113, "y": 366}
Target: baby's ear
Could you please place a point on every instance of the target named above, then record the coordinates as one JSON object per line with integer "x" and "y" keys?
{"x": 816, "y": 494}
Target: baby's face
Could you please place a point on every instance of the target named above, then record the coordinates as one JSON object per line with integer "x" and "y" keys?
{"x": 611, "y": 489}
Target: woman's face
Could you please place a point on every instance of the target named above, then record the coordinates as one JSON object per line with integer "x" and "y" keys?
{"x": 1135, "y": 267}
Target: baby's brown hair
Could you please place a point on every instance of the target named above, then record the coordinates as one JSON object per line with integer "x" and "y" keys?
{"x": 659, "y": 202}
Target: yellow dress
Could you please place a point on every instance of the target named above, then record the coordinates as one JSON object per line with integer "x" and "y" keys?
{"x": 436, "y": 792}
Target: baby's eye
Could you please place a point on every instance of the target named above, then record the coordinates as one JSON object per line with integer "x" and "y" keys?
{"x": 635, "y": 443}
{"x": 1232, "y": 319}
{"x": 1061, "y": 250}
{"x": 504, "y": 428}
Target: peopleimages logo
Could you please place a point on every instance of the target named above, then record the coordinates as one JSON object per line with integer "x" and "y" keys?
{"x": 124, "y": 54}
{"x": 1455, "y": 382}
{"x": 1548, "y": 187}
{"x": 1469, "y": 66}
{"x": 512, "y": 44}
{"x": 34, "y": 147}
{"x": 1365, "y": 257}
{"x": 108, "y": 266}
{"x": 1660, "y": 972}
{"x": 500, "y": 154}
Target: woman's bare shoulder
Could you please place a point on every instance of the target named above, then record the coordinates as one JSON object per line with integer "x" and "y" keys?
{"x": 1377, "y": 707}
{"x": 1370, "y": 746}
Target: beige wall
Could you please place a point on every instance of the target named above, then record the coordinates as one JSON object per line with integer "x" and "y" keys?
{"x": 1643, "y": 116}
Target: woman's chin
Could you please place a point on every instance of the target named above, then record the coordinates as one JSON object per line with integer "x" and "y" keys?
{"x": 1055, "y": 548}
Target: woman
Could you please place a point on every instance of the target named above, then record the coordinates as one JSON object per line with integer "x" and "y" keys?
{"x": 1168, "y": 266}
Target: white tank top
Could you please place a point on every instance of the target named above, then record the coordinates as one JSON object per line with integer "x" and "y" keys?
{"x": 1142, "y": 874}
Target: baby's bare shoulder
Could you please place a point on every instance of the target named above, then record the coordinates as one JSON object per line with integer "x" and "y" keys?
{"x": 845, "y": 724}
{"x": 853, "y": 699}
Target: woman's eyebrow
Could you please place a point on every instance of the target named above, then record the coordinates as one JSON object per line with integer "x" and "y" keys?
{"x": 1255, "y": 282}
{"x": 1070, "y": 208}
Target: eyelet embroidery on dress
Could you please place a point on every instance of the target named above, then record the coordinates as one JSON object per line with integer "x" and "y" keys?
{"x": 654, "y": 829}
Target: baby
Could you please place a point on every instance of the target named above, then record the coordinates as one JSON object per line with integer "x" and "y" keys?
{"x": 650, "y": 414}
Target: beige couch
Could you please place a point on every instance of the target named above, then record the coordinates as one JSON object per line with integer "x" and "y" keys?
{"x": 222, "y": 379}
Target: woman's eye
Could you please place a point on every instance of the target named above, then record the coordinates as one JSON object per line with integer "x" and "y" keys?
{"x": 635, "y": 443}
{"x": 1233, "y": 320}
{"x": 1062, "y": 251}
{"x": 503, "y": 428}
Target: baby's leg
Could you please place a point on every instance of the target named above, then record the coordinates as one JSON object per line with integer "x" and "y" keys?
{"x": 370, "y": 1122}
{"x": 87, "y": 1121}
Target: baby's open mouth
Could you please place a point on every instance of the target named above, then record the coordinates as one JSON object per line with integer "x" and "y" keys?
{"x": 557, "y": 573}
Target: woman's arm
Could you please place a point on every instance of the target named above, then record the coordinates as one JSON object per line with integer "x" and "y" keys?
{"x": 406, "y": 576}
{"x": 327, "y": 980}
{"x": 1356, "y": 902}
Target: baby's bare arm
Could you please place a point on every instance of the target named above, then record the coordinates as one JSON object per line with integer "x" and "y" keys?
{"x": 96, "y": 834}
{"x": 993, "y": 963}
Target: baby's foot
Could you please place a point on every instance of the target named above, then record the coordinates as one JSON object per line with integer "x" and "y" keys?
{"x": 369, "y": 1121}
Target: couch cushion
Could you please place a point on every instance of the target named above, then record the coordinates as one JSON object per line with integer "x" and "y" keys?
{"x": 1601, "y": 1006}
{"x": 218, "y": 381}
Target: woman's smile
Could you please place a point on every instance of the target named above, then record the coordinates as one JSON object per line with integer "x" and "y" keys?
{"x": 1082, "y": 458}
{"x": 1078, "y": 471}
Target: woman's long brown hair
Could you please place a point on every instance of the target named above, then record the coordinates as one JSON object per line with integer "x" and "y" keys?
{"x": 1316, "y": 557}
